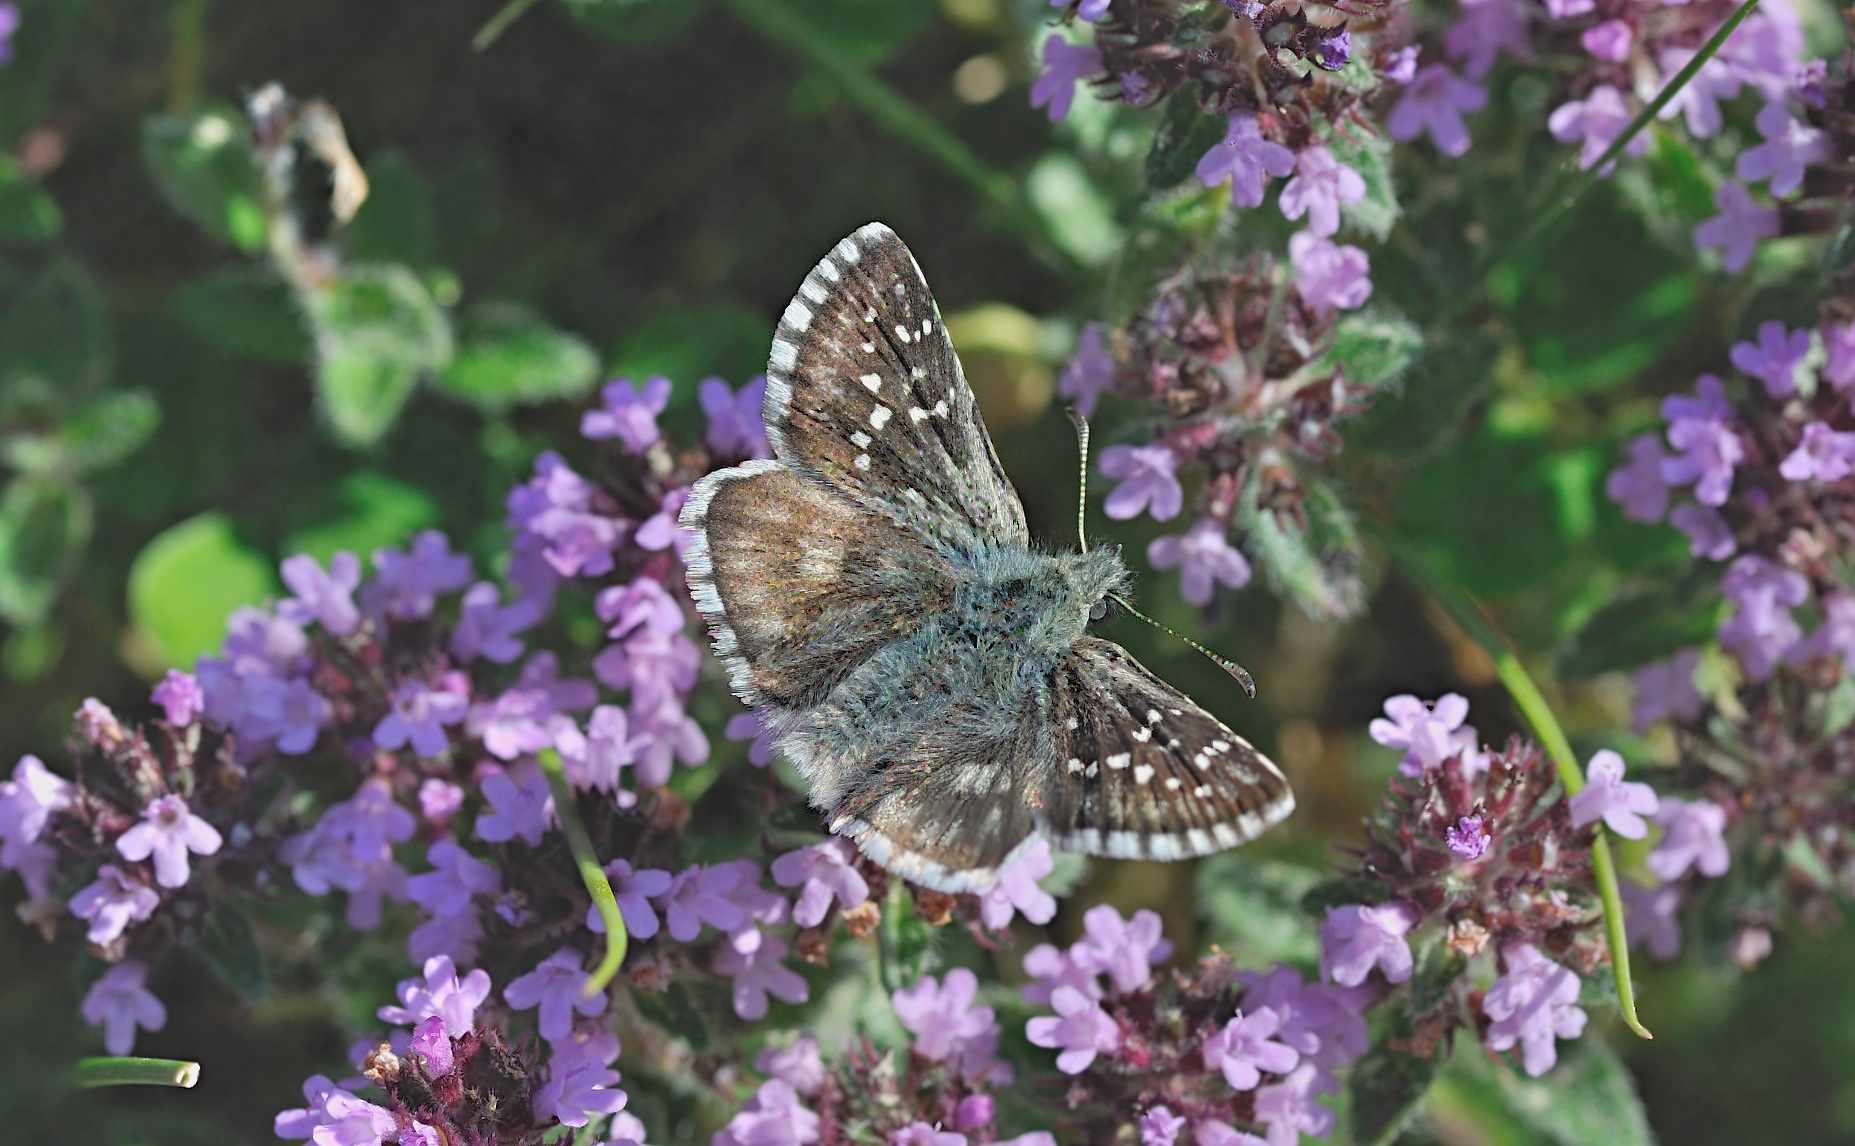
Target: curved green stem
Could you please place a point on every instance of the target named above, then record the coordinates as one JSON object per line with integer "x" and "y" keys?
{"x": 567, "y": 811}
{"x": 1532, "y": 704}
{"x": 136, "y": 1072}
{"x": 499, "y": 23}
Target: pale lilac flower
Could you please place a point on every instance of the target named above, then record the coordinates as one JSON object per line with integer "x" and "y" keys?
{"x": 1696, "y": 838}
{"x": 640, "y": 604}
{"x": 575, "y": 1095}
{"x": 774, "y": 1116}
{"x": 520, "y": 807}
{"x": 1244, "y": 160}
{"x": 286, "y": 713}
{"x": 432, "y": 1043}
{"x": 554, "y": 986}
{"x": 1320, "y": 186}
{"x": 1597, "y": 119}
{"x": 418, "y": 1133}
{"x": 1666, "y": 690}
{"x": 1357, "y": 938}
{"x": 1839, "y": 348}
{"x": 1124, "y": 950}
{"x": 660, "y": 531}
{"x": 1148, "y": 481}
{"x": 1700, "y": 100}
{"x": 596, "y": 759}
{"x": 1428, "y": 733}
{"x": 1737, "y": 229}
{"x": 440, "y": 992}
{"x": 420, "y": 713}
{"x": 1246, "y": 1047}
{"x": 486, "y": 627}
{"x": 1707, "y": 532}
{"x": 1434, "y": 103}
{"x": 1822, "y": 454}
{"x": 1016, "y": 889}
{"x": 556, "y": 510}
{"x": 1790, "y": 146}
{"x": 302, "y": 1121}
{"x": 1484, "y": 30}
{"x": 1329, "y": 276}
{"x": 1288, "y": 1108}
{"x": 350, "y": 848}
{"x": 758, "y": 973}
{"x": 1399, "y": 65}
{"x": 699, "y": 895}
{"x": 1610, "y": 40}
{"x": 1761, "y": 631}
{"x": 1159, "y": 1126}
{"x": 454, "y": 936}
{"x": 112, "y": 903}
{"x": 823, "y": 872}
{"x": 524, "y": 719}
{"x": 1607, "y": 796}
{"x": 1649, "y": 917}
{"x": 456, "y": 878}
{"x": 943, "y": 1018}
{"x": 1638, "y": 487}
{"x": 319, "y": 596}
{"x": 672, "y": 735}
{"x": 1080, "y": 1027}
{"x": 1533, "y": 1004}
{"x": 1709, "y": 449}
{"x": 922, "y": 1134}
{"x": 9, "y": 25}
{"x": 27, "y": 802}
{"x": 1835, "y": 637}
{"x": 179, "y": 694}
{"x": 1064, "y": 66}
{"x": 1566, "y": 9}
{"x": 119, "y": 1003}
{"x": 1320, "y": 1021}
{"x": 1468, "y": 838}
{"x": 800, "y": 1065}
{"x": 1204, "y": 558}
{"x": 1090, "y": 10}
{"x": 355, "y": 1122}
{"x": 1053, "y": 968}
{"x": 974, "y": 1112}
{"x": 168, "y": 832}
{"x": 735, "y": 429}
{"x": 590, "y": 1040}
{"x": 1211, "y": 1132}
{"x": 1775, "y": 359}
{"x": 628, "y": 413}
{"x": 1089, "y": 372}
{"x": 407, "y": 585}
{"x": 439, "y": 799}
{"x": 747, "y": 726}
{"x": 657, "y": 667}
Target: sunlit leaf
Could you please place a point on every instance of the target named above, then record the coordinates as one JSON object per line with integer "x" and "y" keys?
{"x": 188, "y": 580}
{"x": 510, "y": 356}
{"x": 204, "y": 167}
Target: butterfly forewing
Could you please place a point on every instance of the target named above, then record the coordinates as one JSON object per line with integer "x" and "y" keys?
{"x": 1145, "y": 773}
{"x": 865, "y": 391}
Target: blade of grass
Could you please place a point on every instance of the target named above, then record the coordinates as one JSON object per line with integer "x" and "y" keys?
{"x": 116, "y": 1071}
{"x": 567, "y": 811}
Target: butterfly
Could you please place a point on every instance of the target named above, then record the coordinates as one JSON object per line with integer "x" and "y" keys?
{"x": 874, "y": 593}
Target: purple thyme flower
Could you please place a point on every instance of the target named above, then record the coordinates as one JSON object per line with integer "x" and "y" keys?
{"x": 660, "y": 531}
{"x": 1320, "y": 1021}
{"x": 1566, "y": 9}
{"x": 800, "y": 1065}
{"x": 1245, "y": 1047}
{"x": 1485, "y": 29}
{"x": 1211, "y": 1132}
{"x": 1434, "y": 102}
{"x": 1053, "y": 968}
{"x": 735, "y": 429}
{"x": 1638, "y": 487}
{"x": 1535, "y": 1002}
{"x": 407, "y": 585}
{"x": 9, "y": 25}
{"x": 1790, "y": 146}
{"x": 119, "y": 1002}
{"x": 287, "y": 714}
{"x": 943, "y": 1019}
{"x": 486, "y": 627}
{"x": 1399, "y": 65}
{"x": 823, "y": 872}
{"x": 302, "y": 1121}
{"x": 774, "y": 1116}
{"x": 1775, "y": 359}
{"x": 1288, "y": 1107}
{"x": 554, "y": 986}
{"x": 556, "y": 509}
{"x": 1696, "y": 838}
{"x": 27, "y": 802}
{"x": 440, "y": 992}
{"x": 1245, "y": 160}
{"x": 974, "y": 1112}
{"x": 1700, "y": 100}
{"x": 1667, "y": 690}
{"x": 432, "y": 1044}
{"x": 1737, "y": 229}
{"x": 180, "y": 696}
{"x": 456, "y": 878}
{"x": 1597, "y": 119}
{"x": 1709, "y": 449}
{"x": 671, "y": 732}
{"x": 168, "y": 832}
{"x": 1467, "y": 838}
{"x": 1159, "y": 1126}
{"x": 922, "y": 1134}
{"x": 1835, "y": 637}
{"x": 1016, "y": 889}
{"x": 420, "y": 713}
{"x": 1761, "y": 631}
{"x": 633, "y": 890}
{"x": 1204, "y": 557}
{"x": 1320, "y": 186}
{"x": 1080, "y": 1027}
{"x": 758, "y": 973}
{"x": 1649, "y": 917}
{"x": 1607, "y": 796}
{"x": 1428, "y": 733}
{"x": 699, "y": 895}
{"x": 1064, "y": 66}
{"x": 628, "y": 414}
{"x": 1089, "y": 373}
{"x": 356, "y": 1122}
{"x": 575, "y": 1095}
{"x": 1839, "y": 347}
{"x": 325, "y": 597}
{"x": 1610, "y": 40}
{"x": 1332, "y": 49}
{"x": 746, "y": 726}
{"x": 1822, "y": 454}
{"x": 1356, "y": 938}
{"x": 594, "y": 760}
{"x": 1329, "y": 276}
{"x": 1148, "y": 481}
{"x": 1090, "y": 10}
{"x": 1124, "y": 950}
{"x": 112, "y": 903}
{"x": 1707, "y": 532}
{"x": 522, "y": 806}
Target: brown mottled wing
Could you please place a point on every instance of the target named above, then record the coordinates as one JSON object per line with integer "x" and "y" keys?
{"x": 1146, "y": 773}
{"x": 798, "y": 586}
{"x": 865, "y": 391}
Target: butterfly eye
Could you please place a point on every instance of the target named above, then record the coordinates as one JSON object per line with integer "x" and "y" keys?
{"x": 1099, "y": 610}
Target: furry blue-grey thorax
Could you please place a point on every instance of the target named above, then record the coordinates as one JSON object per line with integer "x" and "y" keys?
{"x": 1033, "y": 605}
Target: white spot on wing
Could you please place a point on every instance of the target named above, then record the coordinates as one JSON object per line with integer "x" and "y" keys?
{"x": 1143, "y": 773}
{"x": 901, "y": 333}
{"x": 917, "y": 415}
{"x": 861, "y": 461}
{"x": 1075, "y": 765}
{"x": 784, "y": 355}
{"x": 860, "y": 439}
{"x": 879, "y": 417}
{"x": 812, "y": 290}
{"x": 873, "y": 381}
{"x": 1120, "y": 760}
{"x": 798, "y": 316}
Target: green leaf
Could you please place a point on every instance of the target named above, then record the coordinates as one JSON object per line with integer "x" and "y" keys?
{"x": 1430, "y": 396}
{"x": 1254, "y": 906}
{"x": 1435, "y": 971}
{"x": 1588, "y": 1099}
{"x": 1373, "y": 348}
{"x": 640, "y": 23}
{"x": 1639, "y": 628}
{"x": 27, "y": 213}
{"x": 510, "y": 356}
{"x": 1316, "y": 563}
{"x": 45, "y": 524}
{"x": 99, "y": 436}
{"x": 379, "y": 330}
{"x": 1185, "y": 133}
{"x": 228, "y": 943}
{"x": 1386, "y": 1087}
{"x": 186, "y": 582}
{"x": 245, "y": 310}
{"x": 1486, "y": 514}
{"x": 58, "y": 333}
{"x": 1368, "y": 153}
{"x": 1078, "y": 214}
{"x": 381, "y": 513}
{"x": 203, "y": 165}
{"x": 396, "y": 223}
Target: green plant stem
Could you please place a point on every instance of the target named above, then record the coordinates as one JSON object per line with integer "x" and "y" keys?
{"x": 567, "y": 811}
{"x": 136, "y": 1072}
{"x": 186, "y": 59}
{"x": 499, "y": 23}
{"x": 1532, "y": 704}
{"x": 775, "y": 21}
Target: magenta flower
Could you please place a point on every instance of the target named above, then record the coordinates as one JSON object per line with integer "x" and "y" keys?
{"x": 1428, "y": 733}
{"x": 1761, "y": 631}
{"x": 1159, "y": 1126}
{"x": 112, "y": 903}
{"x": 27, "y": 802}
{"x": 420, "y": 713}
{"x": 1204, "y": 558}
{"x": 180, "y": 697}
{"x": 1610, "y": 40}
{"x": 943, "y": 1019}
{"x": 1327, "y": 276}
{"x": 522, "y": 807}
{"x": 824, "y": 872}
{"x": 1608, "y": 797}
{"x": 1696, "y": 838}
{"x": 1016, "y": 889}
{"x": 1124, "y": 950}
{"x": 1357, "y": 938}
{"x": 800, "y": 1065}
{"x": 440, "y": 992}
{"x": 1707, "y": 532}
{"x": 1081, "y": 1028}
{"x": 1434, "y": 103}
{"x": 168, "y": 832}
{"x": 1738, "y": 228}
{"x": 1822, "y": 454}
{"x": 1775, "y": 359}
{"x": 1245, "y": 160}
{"x": 1245, "y": 1048}
{"x": 974, "y": 1112}
{"x": 1638, "y": 487}
{"x": 554, "y": 986}
{"x": 456, "y": 878}
{"x": 1320, "y": 1021}
{"x": 1053, "y": 968}
{"x": 1666, "y": 690}
{"x": 432, "y": 1043}
{"x": 1597, "y": 119}
{"x": 356, "y": 1122}
{"x": 1089, "y": 372}
{"x": 758, "y": 973}
{"x": 1566, "y": 9}
{"x": 628, "y": 414}
{"x": 302, "y": 1121}
{"x": 1533, "y": 1004}
{"x": 1467, "y": 838}
{"x": 1148, "y": 481}
{"x": 9, "y": 25}
{"x": 119, "y": 1003}
{"x": 699, "y": 895}
{"x": 1064, "y": 66}
{"x": 1709, "y": 449}
{"x": 319, "y": 596}
{"x": 1320, "y": 186}
{"x": 1211, "y": 1132}
{"x": 734, "y": 429}
{"x": 557, "y": 511}
{"x": 1790, "y": 146}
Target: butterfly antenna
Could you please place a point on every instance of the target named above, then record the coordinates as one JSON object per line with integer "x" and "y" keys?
{"x": 1237, "y": 672}
{"x": 1082, "y": 482}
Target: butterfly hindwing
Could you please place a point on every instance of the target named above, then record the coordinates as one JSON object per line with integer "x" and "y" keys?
{"x": 865, "y": 391}
{"x": 1143, "y": 772}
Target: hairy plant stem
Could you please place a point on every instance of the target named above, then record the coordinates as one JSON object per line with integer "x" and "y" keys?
{"x": 592, "y": 873}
